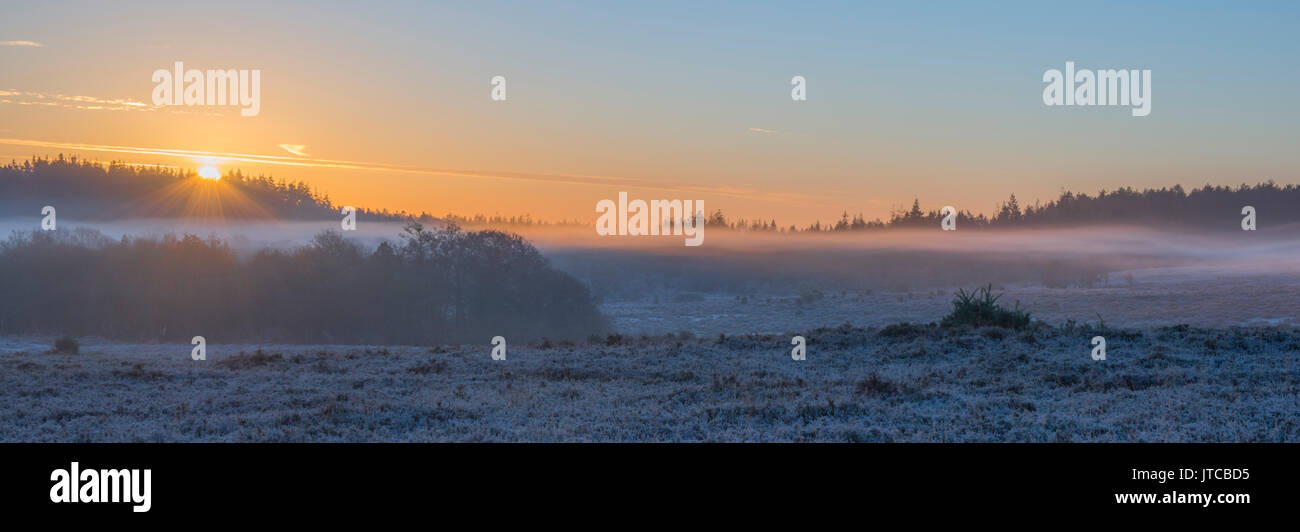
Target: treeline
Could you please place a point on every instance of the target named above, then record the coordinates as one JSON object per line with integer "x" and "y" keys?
{"x": 499, "y": 220}
{"x": 89, "y": 190}
{"x": 1209, "y": 206}
{"x": 435, "y": 286}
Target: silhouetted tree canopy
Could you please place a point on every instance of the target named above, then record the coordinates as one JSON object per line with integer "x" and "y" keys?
{"x": 1206, "y": 207}
{"x": 85, "y": 190}
{"x": 438, "y": 286}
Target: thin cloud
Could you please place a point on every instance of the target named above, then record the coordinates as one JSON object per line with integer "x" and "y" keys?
{"x": 89, "y": 103}
{"x": 568, "y": 179}
{"x": 296, "y": 149}
{"x": 22, "y": 43}
{"x": 761, "y": 130}
{"x": 17, "y": 97}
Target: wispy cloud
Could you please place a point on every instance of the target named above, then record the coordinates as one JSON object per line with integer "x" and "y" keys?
{"x": 761, "y": 130}
{"x": 95, "y": 103}
{"x": 567, "y": 179}
{"x": 17, "y": 97}
{"x": 22, "y": 43}
{"x": 296, "y": 149}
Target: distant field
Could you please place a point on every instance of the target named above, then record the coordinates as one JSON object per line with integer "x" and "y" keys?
{"x": 899, "y": 383}
{"x": 1157, "y": 297}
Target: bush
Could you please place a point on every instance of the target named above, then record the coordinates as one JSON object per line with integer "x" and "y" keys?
{"x": 250, "y": 360}
{"x": 980, "y": 308}
{"x": 66, "y": 345}
{"x": 809, "y": 297}
{"x": 901, "y": 330}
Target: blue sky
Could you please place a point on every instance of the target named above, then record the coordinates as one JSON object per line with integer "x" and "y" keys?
{"x": 937, "y": 100}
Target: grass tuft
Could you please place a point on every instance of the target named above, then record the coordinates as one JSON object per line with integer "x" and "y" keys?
{"x": 980, "y": 308}
{"x": 66, "y": 345}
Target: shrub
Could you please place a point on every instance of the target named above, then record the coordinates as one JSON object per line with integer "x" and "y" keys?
{"x": 901, "y": 330}
{"x": 809, "y": 297}
{"x": 688, "y": 297}
{"x": 434, "y": 365}
{"x": 980, "y": 308}
{"x": 874, "y": 384}
{"x": 250, "y": 360}
{"x": 66, "y": 345}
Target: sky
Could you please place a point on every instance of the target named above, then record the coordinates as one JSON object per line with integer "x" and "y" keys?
{"x": 388, "y": 104}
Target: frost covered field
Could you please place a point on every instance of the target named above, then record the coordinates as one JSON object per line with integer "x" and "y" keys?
{"x": 897, "y": 383}
{"x": 1157, "y": 297}
{"x": 1198, "y": 349}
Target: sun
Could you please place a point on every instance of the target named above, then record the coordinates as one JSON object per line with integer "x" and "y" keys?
{"x": 210, "y": 172}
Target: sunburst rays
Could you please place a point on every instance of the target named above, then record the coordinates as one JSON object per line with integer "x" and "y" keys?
{"x": 198, "y": 198}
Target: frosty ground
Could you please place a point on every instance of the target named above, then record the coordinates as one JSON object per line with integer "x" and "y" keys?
{"x": 1156, "y": 297}
{"x": 715, "y": 366}
{"x": 896, "y": 383}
